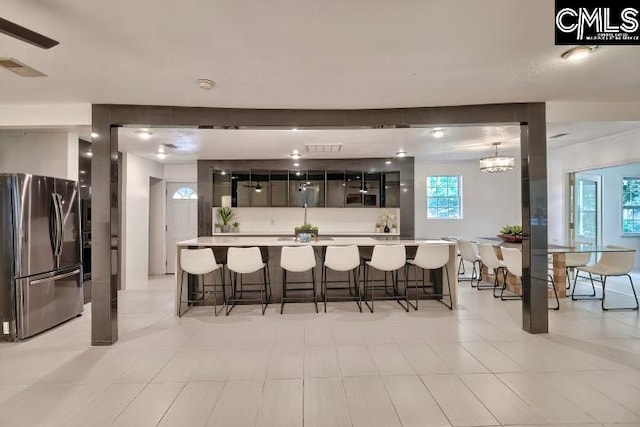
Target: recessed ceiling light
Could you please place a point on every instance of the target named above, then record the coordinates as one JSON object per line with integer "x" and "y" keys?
{"x": 295, "y": 156}
{"x": 298, "y": 173}
{"x": 578, "y": 53}
{"x": 83, "y": 172}
{"x": 294, "y": 129}
{"x": 388, "y": 162}
{"x": 161, "y": 155}
{"x": 94, "y": 134}
{"x": 89, "y": 154}
{"x": 296, "y": 164}
{"x": 401, "y": 154}
{"x": 437, "y": 133}
{"x": 223, "y": 173}
{"x": 206, "y": 84}
{"x": 143, "y": 134}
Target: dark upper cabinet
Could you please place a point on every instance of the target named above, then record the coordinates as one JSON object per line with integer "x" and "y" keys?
{"x": 279, "y": 182}
{"x": 336, "y": 189}
{"x": 315, "y": 188}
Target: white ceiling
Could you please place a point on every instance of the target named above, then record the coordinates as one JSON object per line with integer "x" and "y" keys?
{"x": 306, "y": 54}
{"x": 458, "y": 143}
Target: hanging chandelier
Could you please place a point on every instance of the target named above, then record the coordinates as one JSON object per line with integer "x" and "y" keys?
{"x": 497, "y": 163}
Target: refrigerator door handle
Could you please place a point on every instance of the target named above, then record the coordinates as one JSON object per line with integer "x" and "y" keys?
{"x": 56, "y": 224}
{"x": 58, "y": 277}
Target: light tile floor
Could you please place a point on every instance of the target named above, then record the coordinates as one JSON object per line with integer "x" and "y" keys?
{"x": 435, "y": 367}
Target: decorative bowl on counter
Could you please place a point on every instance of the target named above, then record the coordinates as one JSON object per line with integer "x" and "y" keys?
{"x": 511, "y": 238}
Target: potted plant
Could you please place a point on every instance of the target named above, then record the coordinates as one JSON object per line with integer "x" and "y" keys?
{"x": 394, "y": 227}
{"x": 378, "y": 227}
{"x": 236, "y": 226}
{"x": 511, "y": 233}
{"x": 226, "y": 215}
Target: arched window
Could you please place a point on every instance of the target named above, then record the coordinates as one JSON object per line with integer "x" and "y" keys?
{"x": 185, "y": 193}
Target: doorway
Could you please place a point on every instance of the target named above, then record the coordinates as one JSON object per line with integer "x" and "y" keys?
{"x": 182, "y": 218}
{"x": 585, "y": 221}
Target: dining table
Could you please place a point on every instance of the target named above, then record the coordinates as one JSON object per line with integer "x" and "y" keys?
{"x": 558, "y": 266}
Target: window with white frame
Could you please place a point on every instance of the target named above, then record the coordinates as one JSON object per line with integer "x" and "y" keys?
{"x": 444, "y": 197}
{"x": 185, "y": 193}
{"x": 630, "y": 205}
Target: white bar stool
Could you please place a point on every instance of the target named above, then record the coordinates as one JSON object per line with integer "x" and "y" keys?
{"x": 298, "y": 259}
{"x": 342, "y": 259}
{"x": 199, "y": 262}
{"x": 512, "y": 258}
{"x": 431, "y": 256}
{"x": 491, "y": 261}
{"x": 246, "y": 261}
{"x": 389, "y": 259}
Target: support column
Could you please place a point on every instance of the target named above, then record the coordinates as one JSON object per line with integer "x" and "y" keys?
{"x": 533, "y": 146}
{"x": 105, "y": 238}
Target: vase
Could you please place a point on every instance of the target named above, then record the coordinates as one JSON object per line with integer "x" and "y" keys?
{"x": 226, "y": 228}
{"x": 386, "y": 229}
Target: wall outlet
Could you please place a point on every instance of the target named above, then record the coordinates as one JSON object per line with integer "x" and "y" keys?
{"x": 5, "y": 328}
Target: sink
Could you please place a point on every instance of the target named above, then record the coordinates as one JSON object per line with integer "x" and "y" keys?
{"x": 292, "y": 239}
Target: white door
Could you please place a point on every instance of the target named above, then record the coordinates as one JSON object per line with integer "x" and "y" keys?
{"x": 182, "y": 217}
{"x": 587, "y": 208}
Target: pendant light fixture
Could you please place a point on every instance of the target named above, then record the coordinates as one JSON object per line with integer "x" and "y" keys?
{"x": 497, "y": 163}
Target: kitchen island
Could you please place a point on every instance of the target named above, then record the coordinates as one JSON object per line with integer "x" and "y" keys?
{"x": 272, "y": 245}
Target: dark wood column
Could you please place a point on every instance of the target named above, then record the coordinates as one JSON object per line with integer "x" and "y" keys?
{"x": 533, "y": 150}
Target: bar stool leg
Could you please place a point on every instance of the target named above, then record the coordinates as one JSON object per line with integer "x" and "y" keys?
{"x": 313, "y": 283}
{"x": 323, "y": 282}
{"x": 284, "y": 290}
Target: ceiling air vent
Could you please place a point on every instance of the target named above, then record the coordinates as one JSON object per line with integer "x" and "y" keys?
{"x": 19, "y": 68}
{"x": 323, "y": 148}
{"x": 558, "y": 135}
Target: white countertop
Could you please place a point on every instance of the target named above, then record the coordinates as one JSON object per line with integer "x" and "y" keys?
{"x": 234, "y": 240}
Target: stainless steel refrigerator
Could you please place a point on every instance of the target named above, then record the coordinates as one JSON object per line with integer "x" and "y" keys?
{"x": 40, "y": 261}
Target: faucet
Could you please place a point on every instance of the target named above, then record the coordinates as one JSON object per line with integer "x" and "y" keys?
{"x": 305, "y": 214}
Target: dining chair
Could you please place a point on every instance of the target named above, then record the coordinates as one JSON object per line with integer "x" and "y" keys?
{"x": 492, "y": 262}
{"x": 199, "y": 262}
{"x": 512, "y": 258}
{"x": 573, "y": 260}
{"x": 469, "y": 253}
{"x": 616, "y": 261}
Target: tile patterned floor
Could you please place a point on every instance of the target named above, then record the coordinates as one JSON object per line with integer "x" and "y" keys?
{"x": 470, "y": 367}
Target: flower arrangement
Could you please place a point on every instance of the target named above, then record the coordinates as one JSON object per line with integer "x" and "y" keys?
{"x": 386, "y": 217}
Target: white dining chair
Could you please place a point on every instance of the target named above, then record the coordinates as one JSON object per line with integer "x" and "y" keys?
{"x": 431, "y": 256}
{"x": 615, "y": 261}
{"x": 573, "y": 260}
{"x": 512, "y": 258}
{"x": 388, "y": 259}
{"x": 298, "y": 259}
{"x": 241, "y": 261}
{"x": 199, "y": 262}
{"x": 345, "y": 259}
{"x": 469, "y": 253}
{"x": 490, "y": 260}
